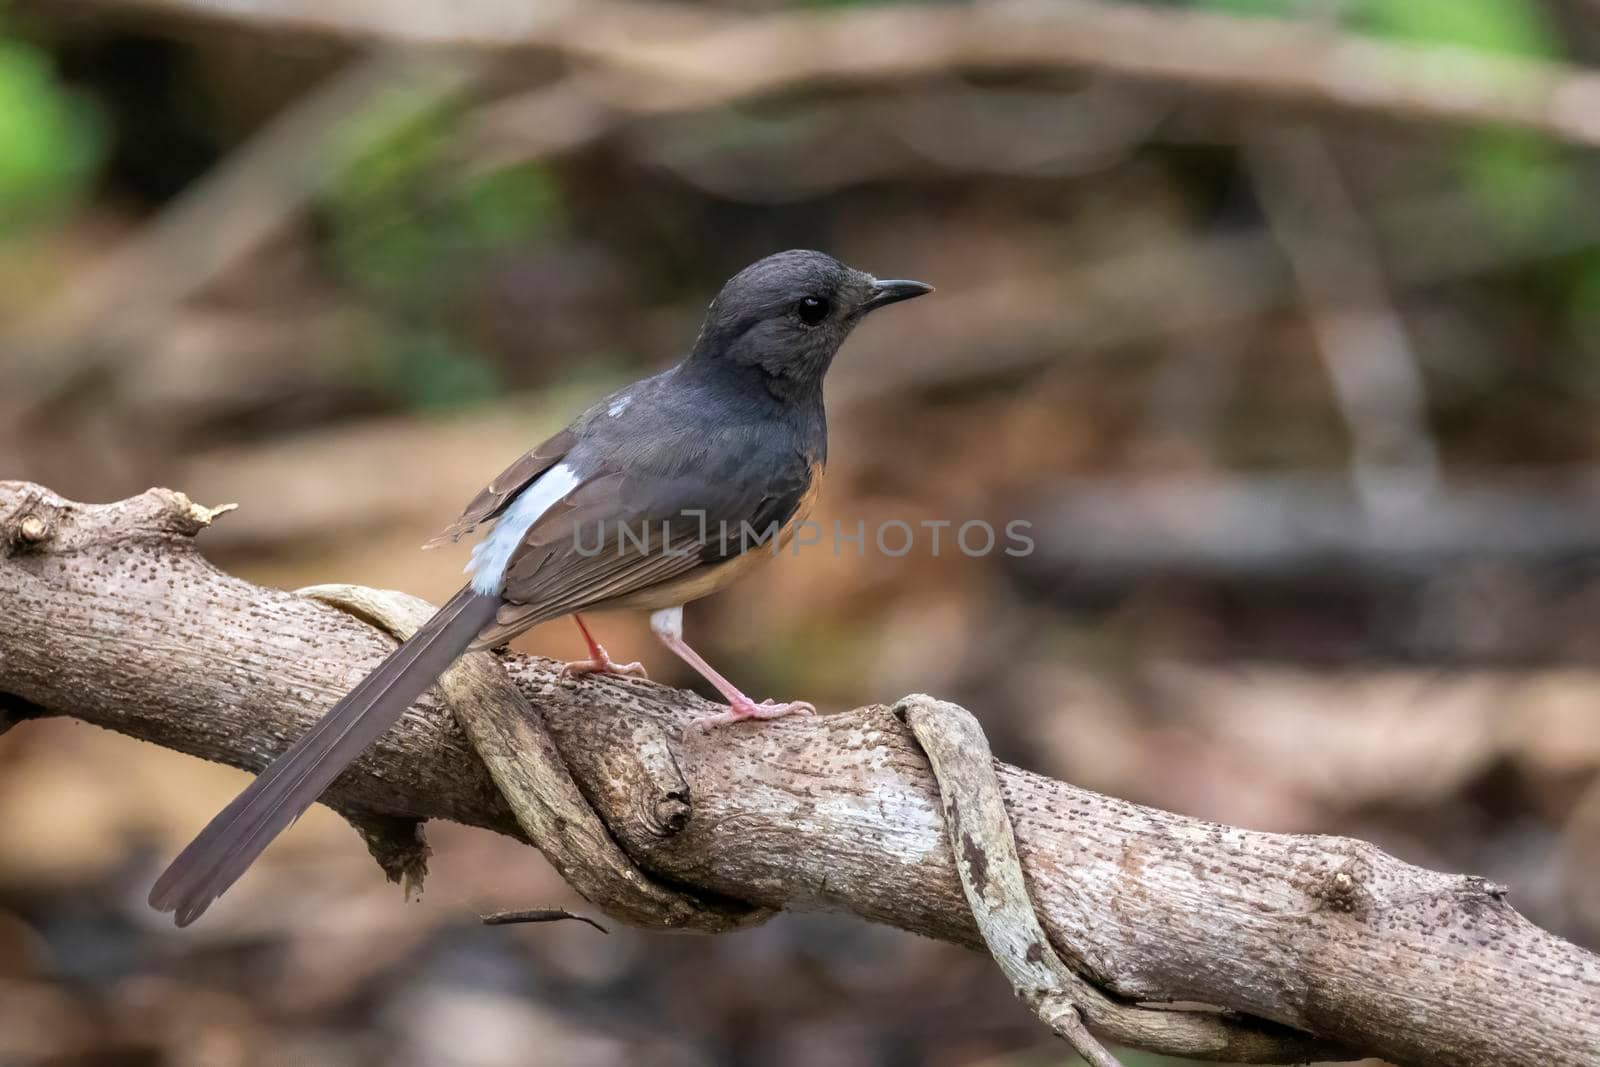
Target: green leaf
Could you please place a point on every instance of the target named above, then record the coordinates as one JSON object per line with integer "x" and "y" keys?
{"x": 1252, "y": 7}
{"x": 50, "y": 140}
{"x": 1510, "y": 27}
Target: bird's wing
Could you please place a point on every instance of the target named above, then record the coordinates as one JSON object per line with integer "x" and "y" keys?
{"x": 495, "y": 497}
{"x": 622, "y": 532}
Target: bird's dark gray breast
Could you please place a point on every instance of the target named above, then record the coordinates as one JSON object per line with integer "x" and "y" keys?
{"x": 694, "y": 451}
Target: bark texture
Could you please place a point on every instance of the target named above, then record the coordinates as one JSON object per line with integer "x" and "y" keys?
{"x": 109, "y": 614}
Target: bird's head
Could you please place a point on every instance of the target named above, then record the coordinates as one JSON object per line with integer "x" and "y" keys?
{"x": 785, "y": 316}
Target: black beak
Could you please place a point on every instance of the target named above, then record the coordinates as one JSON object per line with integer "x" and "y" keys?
{"x": 894, "y": 290}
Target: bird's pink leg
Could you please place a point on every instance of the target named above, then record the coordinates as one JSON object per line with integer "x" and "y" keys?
{"x": 668, "y": 626}
{"x": 598, "y": 662}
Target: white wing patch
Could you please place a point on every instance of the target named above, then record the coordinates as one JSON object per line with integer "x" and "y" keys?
{"x": 490, "y": 556}
{"x": 619, "y": 405}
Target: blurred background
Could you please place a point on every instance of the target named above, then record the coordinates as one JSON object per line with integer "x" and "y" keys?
{"x": 1295, "y": 373}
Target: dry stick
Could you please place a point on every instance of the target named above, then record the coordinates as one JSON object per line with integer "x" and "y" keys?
{"x": 110, "y": 615}
{"x": 1377, "y": 384}
{"x": 664, "y": 56}
{"x": 539, "y": 915}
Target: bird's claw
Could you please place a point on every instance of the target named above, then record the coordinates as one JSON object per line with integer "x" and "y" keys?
{"x": 601, "y": 663}
{"x": 740, "y": 710}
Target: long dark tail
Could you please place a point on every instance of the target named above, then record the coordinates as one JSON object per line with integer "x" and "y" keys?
{"x": 215, "y": 859}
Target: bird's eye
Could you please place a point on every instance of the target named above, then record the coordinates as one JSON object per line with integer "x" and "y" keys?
{"x": 812, "y": 310}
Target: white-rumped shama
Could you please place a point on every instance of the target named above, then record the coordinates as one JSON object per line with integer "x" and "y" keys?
{"x": 661, "y": 493}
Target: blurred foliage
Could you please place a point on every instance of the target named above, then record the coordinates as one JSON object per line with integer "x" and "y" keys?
{"x": 50, "y": 139}
{"x": 423, "y": 367}
{"x": 414, "y": 233}
{"x": 1518, "y": 178}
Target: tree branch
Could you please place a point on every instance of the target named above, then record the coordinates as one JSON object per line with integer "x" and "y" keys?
{"x": 673, "y": 57}
{"x": 109, "y": 614}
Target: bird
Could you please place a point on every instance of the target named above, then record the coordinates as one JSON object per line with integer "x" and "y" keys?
{"x": 661, "y": 493}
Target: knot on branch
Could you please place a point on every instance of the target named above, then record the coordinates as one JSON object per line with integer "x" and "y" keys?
{"x": 38, "y": 518}
{"x": 979, "y": 830}
{"x": 526, "y": 766}
{"x": 30, "y": 524}
{"x": 1341, "y": 891}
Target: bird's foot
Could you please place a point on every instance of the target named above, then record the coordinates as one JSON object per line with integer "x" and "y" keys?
{"x": 601, "y": 663}
{"x": 742, "y": 708}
